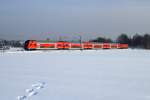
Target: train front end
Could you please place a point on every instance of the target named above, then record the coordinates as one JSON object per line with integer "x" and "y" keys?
{"x": 30, "y": 45}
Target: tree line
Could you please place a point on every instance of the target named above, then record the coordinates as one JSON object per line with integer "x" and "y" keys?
{"x": 6, "y": 44}
{"x": 136, "y": 41}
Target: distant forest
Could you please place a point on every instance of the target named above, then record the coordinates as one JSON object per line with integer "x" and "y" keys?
{"x": 6, "y": 44}
{"x": 137, "y": 41}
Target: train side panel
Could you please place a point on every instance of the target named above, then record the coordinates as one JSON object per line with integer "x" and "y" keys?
{"x": 123, "y": 46}
{"x": 63, "y": 45}
{"x": 106, "y": 46}
{"x": 76, "y": 46}
{"x": 87, "y": 45}
{"x": 97, "y": 46}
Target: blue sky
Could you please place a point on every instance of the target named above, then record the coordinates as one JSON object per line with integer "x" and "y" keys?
{"x": 39, "y": 19}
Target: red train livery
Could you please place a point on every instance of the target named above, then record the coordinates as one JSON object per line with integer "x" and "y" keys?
{"x": 34, "y": 45}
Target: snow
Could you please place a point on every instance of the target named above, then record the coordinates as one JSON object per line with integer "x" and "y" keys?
{"x": 75, "y": 75}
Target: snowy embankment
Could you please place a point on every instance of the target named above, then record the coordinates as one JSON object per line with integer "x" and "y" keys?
{"x": 76, "y": 75}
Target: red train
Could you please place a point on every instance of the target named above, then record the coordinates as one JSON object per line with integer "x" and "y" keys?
{"x": 35, "y": 45}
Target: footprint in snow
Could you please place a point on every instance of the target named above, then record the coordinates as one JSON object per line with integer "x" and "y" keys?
{"x": 38, "y": 85}
{"x": 32, "y": 93}
{"x": 21, "y": 97}
{"x": 29, "y": 90}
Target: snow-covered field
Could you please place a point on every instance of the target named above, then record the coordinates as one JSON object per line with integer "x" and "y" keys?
{"x": 75, "y": 75}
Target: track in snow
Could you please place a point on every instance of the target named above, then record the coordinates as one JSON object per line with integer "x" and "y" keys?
{"x": 34, "y": 90}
